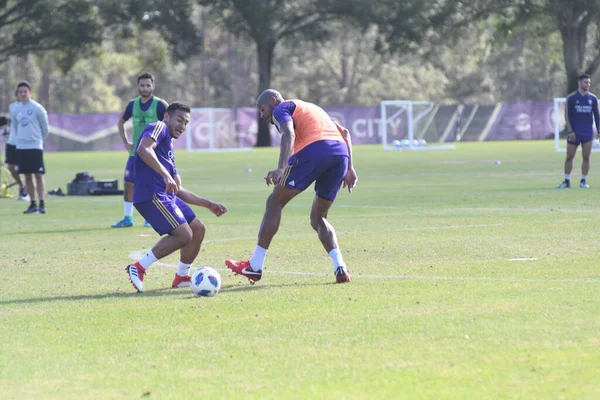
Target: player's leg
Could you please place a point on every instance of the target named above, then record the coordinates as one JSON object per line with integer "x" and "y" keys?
{"x": 24, "y": 162}
{"x": 295, "y": 180}
{"x": 166, "y": 219}
{"x": 327, "y": 187}
{"x": 586, "y": 151}
{"x": 571, "y": 151}
{"x": 11, "y": 162}
{"x": 190, "y": 251}
{"x": 40, "y": 182}
{"x": 128, "y": 184}
{"x": 40, "y": 185}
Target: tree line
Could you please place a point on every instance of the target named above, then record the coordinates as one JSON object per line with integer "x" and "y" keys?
{"x": 82, "y": 56}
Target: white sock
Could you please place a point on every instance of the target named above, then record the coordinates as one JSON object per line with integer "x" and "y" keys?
{"x": 258, "y": 258}
{"x": 183, "y": 269}
{"x": 336, "y": 257}
{"x": 568, "y": 177}
{"x": 148, "y": 259}
{"x": 128, "y": 209}
{"x": 584, "y": 177}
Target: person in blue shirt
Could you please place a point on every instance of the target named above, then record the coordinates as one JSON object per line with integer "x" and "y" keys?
{"x": 581, "y": 112}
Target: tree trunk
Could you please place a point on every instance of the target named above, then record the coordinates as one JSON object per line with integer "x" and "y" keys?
{"x": 46, "y": 84}
{"x": 265, "y": 60}
{"x": 574, "y": 37}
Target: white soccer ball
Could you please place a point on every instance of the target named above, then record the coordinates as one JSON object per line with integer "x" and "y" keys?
{"x": 205, "y": 282}
{"x": 596, "y": 144}
{"x": 422, "y": 142}
{"x": 396, "y": 144}
{"x": 404, "y": 143}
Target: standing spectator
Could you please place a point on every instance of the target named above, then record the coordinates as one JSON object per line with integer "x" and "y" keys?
{"x": 31, "y": 128}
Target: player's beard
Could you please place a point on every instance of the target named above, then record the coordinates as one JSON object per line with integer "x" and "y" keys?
{"x": 144, "y": 95}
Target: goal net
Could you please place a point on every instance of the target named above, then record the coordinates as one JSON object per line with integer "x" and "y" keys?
{"x": 219, "y": 129}
{"x": 560, "y": 127}
{"x": 413, "y": 125}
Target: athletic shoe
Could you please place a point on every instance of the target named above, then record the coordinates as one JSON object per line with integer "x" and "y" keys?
{"x": 23, "y": 195}
{"x": 147, "y": 224}
{"x": 564, "y": 185}
{"x": 243, "y": 268}
{"x": 181, "y": 281}
{"x": 583, "y": 184}
{"x": 126, "y": 222}
{"x": 136, "y": 275}
{"x": 342, "y": 275}
{"x": 41, "y": 210}
{"x": 31, "y": 210}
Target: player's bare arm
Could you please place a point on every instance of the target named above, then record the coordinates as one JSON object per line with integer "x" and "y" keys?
{"x": 191, "y": 198}
{"x": 351, "y": 178}
{"x": 146, "y": 152}
{"x": 285, "y": 152}
{"x": 121, "y": 126}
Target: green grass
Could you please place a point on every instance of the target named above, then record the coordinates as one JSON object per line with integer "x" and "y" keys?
{"x": 436, "y": 309}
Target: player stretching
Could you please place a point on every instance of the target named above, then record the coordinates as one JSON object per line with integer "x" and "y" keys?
{"x": 580, "y": 107}
{"x": 160, "y": 198}
{"x": 144, "y": 109}
{"x": 322, "y": 154}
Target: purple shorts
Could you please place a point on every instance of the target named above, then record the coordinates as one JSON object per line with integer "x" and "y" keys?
{"x": 165, "y": 213}
{"x": 130, "y": 170}
{"x": 580, "y": 139}
{"x": 328, "y": 173}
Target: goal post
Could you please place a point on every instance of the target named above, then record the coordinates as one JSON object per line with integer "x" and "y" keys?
{"x": 217, "y": 129}
{"x": 560, "y": 127}
{"x": 411, "y": 125}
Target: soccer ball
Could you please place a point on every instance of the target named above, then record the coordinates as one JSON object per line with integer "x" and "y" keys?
{"x": 596, "y": 144}
{"x": 396, "y": 144}
{"x": 404, "y": 143}
{"x": 205, "y": 282}
{"x": 422, "y": 142}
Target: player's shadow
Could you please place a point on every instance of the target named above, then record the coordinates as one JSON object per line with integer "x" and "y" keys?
{"x": 51, "y": 232}
{"x": 151, "y": 293}
{"x": 248, "y": 288}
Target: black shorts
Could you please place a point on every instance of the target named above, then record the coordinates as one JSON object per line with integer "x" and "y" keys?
{"x": 11, "y": 154}
{"x": 31, "y": 161}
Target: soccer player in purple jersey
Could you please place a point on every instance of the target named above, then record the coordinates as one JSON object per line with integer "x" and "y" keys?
{"x": 314, "y": 148}
{"x": 159, "y": 197}
{"x": 581, "y": 112}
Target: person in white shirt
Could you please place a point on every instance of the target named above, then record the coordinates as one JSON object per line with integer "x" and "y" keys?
{"x": 30, "y": 120}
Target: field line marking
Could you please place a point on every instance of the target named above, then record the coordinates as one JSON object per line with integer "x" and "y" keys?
{"x": 136, "y": 255}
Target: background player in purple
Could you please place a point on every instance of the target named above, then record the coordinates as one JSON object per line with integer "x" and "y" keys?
{"x": 160, "y": 198}
{"x": 323, "y": 155}
{"x": 580, "y": 114}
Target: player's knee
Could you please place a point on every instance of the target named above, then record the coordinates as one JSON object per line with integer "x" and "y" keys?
{"x": 316, "y": 220}
{"x": 199, "y": 230}
{"x": 184, "y": 235}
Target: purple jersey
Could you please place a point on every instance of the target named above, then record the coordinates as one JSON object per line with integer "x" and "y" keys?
{"x": 582, "y": 110}
{"x": 148, "y": 181}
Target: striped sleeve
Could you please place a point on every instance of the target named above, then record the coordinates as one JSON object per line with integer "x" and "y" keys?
{"x": 158, "y": 129}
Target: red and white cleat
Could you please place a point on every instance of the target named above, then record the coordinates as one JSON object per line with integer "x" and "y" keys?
{"x": 181, "y": 281}
{"x": 243, "y": 268}
{"x": 136, "y": 275}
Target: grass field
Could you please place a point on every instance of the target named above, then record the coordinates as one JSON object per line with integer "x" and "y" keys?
{"x": 438, "y": 307}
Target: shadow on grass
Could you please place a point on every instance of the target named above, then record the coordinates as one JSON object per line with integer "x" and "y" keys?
{"x": 152, "y": 293}
{"x": 52, "y": 232}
